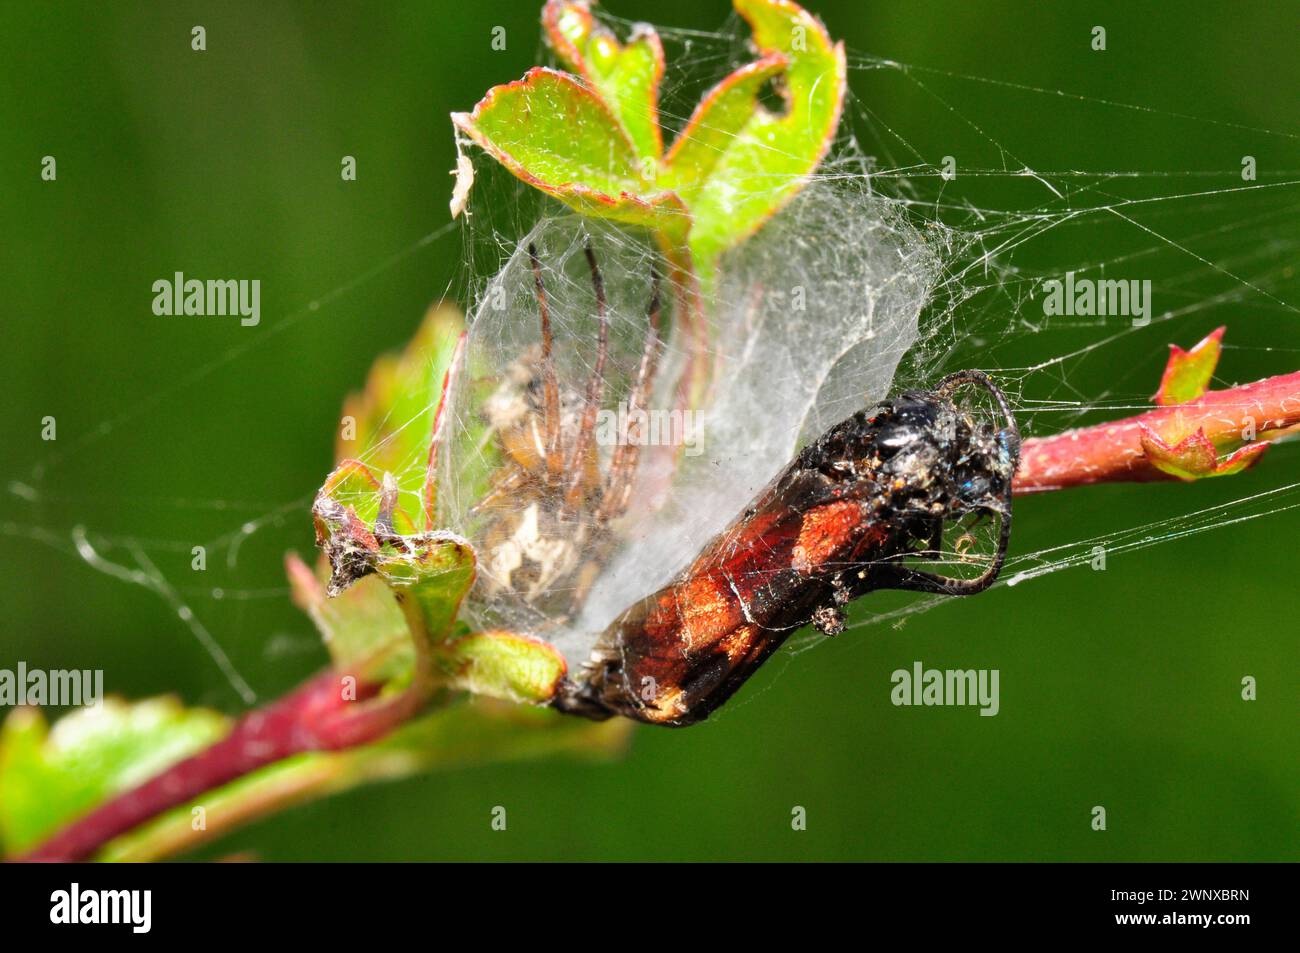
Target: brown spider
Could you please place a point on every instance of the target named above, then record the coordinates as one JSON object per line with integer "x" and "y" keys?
{"x": 549, "y": 507}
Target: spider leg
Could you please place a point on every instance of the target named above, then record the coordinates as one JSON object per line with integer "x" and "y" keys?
{"x": 554, "y": 461}
{"x": 501, "y": 490}
{"x": 595, "y": 386}
{"x": 622, "y": 468}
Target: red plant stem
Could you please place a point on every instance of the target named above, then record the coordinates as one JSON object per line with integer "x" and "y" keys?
{"x": 1113, "y": 451}
{"x": 313, "y": 717}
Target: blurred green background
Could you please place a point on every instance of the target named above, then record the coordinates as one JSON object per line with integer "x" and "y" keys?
{"x": 1118, "y": 688}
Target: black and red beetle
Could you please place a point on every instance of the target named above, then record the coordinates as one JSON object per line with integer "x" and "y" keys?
{"x": 852, "y": 513}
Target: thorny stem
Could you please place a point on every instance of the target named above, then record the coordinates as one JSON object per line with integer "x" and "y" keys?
{"x": 315, "y": 717}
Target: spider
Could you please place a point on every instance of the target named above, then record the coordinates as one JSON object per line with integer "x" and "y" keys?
{"x": 549, "y": 509}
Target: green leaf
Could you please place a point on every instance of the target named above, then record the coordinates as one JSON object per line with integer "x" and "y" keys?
{"x": 1188, "y": 374}
{"x": 593, "y": 140}
{"x": 51, "y": 777}
{"x": 763, "y": 157}
{"x": 429, "y": 580}
{"x": 502, "y": 665}
{"x": 720, "y": 117}
{"x": 388, "y": 424}
{"x": 362, "y": 627}
{"x": 556, "y": 134}
{"x": 626, "y": 77}
{"x": 1195, "y": 457}
{"x": 552, "y": 131}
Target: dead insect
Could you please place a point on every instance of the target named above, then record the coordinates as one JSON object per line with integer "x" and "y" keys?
{"x": 849, "y": 515}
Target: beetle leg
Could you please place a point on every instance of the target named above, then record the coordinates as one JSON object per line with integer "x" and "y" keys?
{"x": 950, "y": 383}
{"x": 897, "y": 576}
{"x": 934, "y": 545}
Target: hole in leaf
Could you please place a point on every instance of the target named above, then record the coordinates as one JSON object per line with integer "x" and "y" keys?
{"x": 774, "y": 95}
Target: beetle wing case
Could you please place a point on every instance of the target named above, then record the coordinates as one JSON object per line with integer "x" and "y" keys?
{"x": 830, "y": 527}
